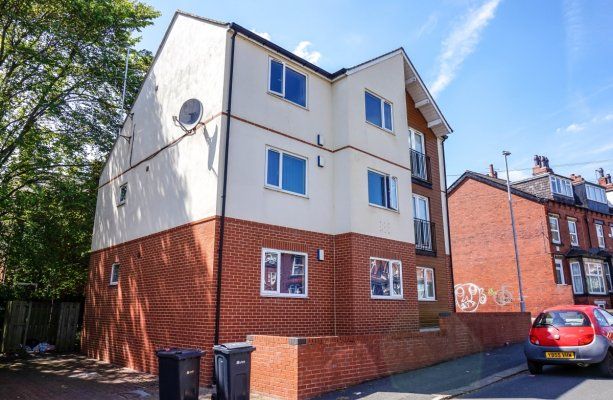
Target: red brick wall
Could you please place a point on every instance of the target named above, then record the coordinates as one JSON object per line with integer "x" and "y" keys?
{"x": 357, "y": 312}
{"x": 429, "y": 310}
{"x": 482, "y": 247}
{"x": 165, "y": 297}
{"x": 245, "y": 312}
{"x": 323, "y": 364}
{"x": 167, "y": 290}
{"x": 586, "y": 231}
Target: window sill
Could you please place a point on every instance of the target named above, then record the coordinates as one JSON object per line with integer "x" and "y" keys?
{"x": 384, "y": 208}
{"x": 276, "y": 189}
{"x": 115, "y": 284}
{"x": 391, "y": 132}
{"x": 386, "y": 297}
{"x": 285, "y": 296}
{"x": 427, "y": 300}
{"x": 281, "y": 97}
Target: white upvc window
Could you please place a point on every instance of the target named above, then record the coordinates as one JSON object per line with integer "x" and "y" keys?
{"x": 554, "y": 227}
{"x": 114, "y": 274}
{"x": 378, "y": 111}
{"x": 123, "y": 194}
{"x": 426, "y": 287}
{"x": 382, "y": 190}
{"x": 600, "y": 235}
{"x": 561, "y": 186}
{"x": 286, "y": 172}
{"x": 594, "y": 276}
{"x": 572, "y": 230}
{"x": 287, "y": 82}
{"x": 419, "y": 161}
{"x": 607, "y": 271}
{"x": 575, "y": 272}
{"x": 284, "y": 273}
{"x": 596, "y": 193}
{"x": 385, "y": 278}
{"x": 559, "y": 263}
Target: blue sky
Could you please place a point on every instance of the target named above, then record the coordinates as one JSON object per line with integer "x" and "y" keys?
{"x": 531, "y": 77}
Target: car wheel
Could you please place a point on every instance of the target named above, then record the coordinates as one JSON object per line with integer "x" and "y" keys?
{"x": 606, "y": 366}
{"x": 535, "y": 368}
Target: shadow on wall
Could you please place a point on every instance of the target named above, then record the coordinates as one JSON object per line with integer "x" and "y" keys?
{"x": 166, "y": 291}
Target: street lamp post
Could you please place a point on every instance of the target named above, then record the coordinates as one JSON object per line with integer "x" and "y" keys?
{"x": 522, "y": 303}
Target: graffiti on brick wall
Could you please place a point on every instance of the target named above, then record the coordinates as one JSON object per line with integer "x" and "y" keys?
{"x": 469, "y": 297}
{"x": 503, "y": 296}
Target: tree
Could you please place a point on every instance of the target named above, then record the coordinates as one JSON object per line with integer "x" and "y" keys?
{"x": 61, "y": 75}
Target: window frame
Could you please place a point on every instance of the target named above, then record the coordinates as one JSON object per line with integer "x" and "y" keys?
{"x": 596, "y": 189}
{"x": 391, "y": 296}
{"x": 120, "y": 201}
{"x": 114, "y": 267}
{"x": 563, "y": 183}
{"x": 573, "y": 275}
{"x": 559, "y": 267}
{"x": 574, "y": 237}
{"x": 388, "y": 178}
{"x": 381, "y": 110}
{"x": 608, "y": 277}
{"x": 600, "y": 236}
{"x": 280, "y": 187}
{"x": 432, "y": 273}
{"x": 557, "y": 230}
{"x": 277, "y": 293}
{"x": 600, "y": 277}
{"x": 282, "y": 95}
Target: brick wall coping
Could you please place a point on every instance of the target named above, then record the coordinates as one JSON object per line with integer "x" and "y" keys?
{"x": 375, "y": 337}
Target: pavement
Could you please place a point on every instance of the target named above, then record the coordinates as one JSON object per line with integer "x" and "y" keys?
{"x": 74, "y": 376}
{"x": 556, "y": 382}
{"x": 445, "y": 380}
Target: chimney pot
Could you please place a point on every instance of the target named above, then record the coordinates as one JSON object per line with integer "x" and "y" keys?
{"x": 541, "y": 165}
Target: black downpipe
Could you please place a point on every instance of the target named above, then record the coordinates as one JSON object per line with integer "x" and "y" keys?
{"x": 222, "y": 222}
{"x": 448, "y": 226}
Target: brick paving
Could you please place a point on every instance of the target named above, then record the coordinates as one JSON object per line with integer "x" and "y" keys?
{"x": 75, "y": 377}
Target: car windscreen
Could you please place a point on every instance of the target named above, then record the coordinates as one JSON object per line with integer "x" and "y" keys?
{"x": 562, "y": 318}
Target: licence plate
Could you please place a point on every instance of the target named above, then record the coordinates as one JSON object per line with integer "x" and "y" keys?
{"x": 560, "y": 354}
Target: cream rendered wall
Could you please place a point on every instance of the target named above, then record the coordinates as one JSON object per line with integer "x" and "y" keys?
{"x": 337, "y": 198}
{"x": 385, "y": 79}
{"x": 248, "y": 198}
{"x": 180, "y": 185}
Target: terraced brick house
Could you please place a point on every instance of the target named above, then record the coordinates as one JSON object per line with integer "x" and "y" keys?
{"x": 565, "y": 240}
{"x": 252, "y": 192}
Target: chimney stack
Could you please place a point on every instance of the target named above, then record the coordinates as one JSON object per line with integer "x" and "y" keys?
{"x": 492, "y": 173}
{"x": 577, "y": 178}
{"x": 604, "y": 180}
{"x": 541, "y": 165}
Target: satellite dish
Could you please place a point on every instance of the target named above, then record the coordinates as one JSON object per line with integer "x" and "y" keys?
{"x": 191, "y": 113}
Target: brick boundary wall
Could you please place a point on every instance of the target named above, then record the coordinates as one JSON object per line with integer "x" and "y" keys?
{"x": 302, "y": 368}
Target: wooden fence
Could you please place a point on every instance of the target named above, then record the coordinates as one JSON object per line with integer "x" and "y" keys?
{"x": 54, "y": 323}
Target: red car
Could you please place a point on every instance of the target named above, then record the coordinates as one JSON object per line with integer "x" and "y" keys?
{"x": 575, "y": 335}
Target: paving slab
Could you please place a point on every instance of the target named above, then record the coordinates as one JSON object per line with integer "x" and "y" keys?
{"x": 440, "y": 381}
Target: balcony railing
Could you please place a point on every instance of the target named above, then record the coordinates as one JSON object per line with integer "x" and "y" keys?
{"x": 420, "y": 166}
{"x": 425, "y": 235}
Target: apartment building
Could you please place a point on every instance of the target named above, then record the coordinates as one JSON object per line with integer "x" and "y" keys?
{"x": 252, "y": 192}
{"x": 565, "y": 240}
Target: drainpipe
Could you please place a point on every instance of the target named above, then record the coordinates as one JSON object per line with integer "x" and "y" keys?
{"x": 222, "y": 222}
{"x": 448, "y": 223}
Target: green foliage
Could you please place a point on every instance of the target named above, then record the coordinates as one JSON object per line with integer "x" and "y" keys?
{"x": 61, "y": 75}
